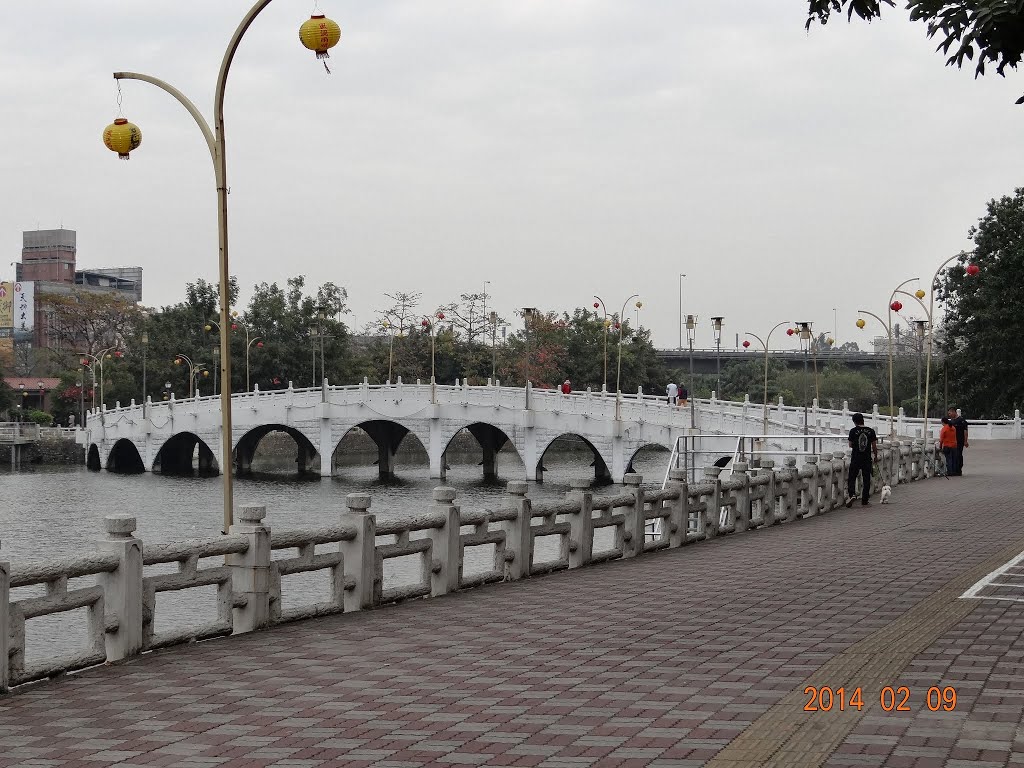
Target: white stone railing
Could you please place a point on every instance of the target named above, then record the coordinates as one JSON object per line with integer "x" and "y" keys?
{"x": 16, "y": 431}
{"x": 122, "y": 604}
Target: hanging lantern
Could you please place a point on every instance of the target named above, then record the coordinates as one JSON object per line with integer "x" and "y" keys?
{"x": 205, "y": 374}
{"x": 596, "y": 305}
{"x": 746, "y": 344}
{"x": 425, "y": 323}
{"x": 830, "y": 341}
{"x": 259, "y": 345}
{"x": 617, "y": 326}
{"x": 440, "y": 315}
{"x": 639, "y": 305}
{"x": 208, "y": 328}
{"x": 320, "y": 34}
{"x": 920, "y": 293}
{"x": 973, "y": 269}
{"x": 896, "y": 306}
{"x": 790, "y": 331}
{"x": 177, "y": 361}
{"x": 122, "y": 137}
{"x": 860, "y": 322}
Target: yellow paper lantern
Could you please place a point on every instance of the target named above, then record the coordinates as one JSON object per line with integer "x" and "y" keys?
{"x": 122, "y": 137}
{"x": 320, "y": 34}
{"x": 919, "y": 293}
{"x": 861, "y": 323}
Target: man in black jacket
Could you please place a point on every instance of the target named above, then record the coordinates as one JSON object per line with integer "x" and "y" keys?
{"x": 864, "y": 443}
{"x": 959, "y": 423}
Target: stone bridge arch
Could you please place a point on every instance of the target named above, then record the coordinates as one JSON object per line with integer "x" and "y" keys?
{"x": 182, "y": 452}
{"x": 490, "y": 438}
{"x": 306, "y": 456}
{"x": 602, "y": 461}
{"x": 125, "y": 459}
{"x": 92, "y": 458}
{"x": 647, "y": 446}
{"x": 387, "y": 435}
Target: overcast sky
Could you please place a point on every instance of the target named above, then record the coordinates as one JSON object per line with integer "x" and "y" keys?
{"x": 557, "y": 149}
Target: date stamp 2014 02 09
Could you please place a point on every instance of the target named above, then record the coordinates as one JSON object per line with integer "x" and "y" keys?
{"x": 827, "y": 699}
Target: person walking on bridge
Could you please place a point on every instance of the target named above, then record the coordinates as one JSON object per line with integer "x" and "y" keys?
{"x": 672, "y": 392}
{"x": 864, "y": 444}
{"x": 959, "y": 423}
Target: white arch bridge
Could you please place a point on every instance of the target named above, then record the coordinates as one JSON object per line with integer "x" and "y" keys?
{"x": 168, "y": 436}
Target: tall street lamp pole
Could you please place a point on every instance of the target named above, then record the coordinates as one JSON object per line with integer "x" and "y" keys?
{"x": 691, "y": 332}
{"x": 888, "y": 331}
{"x": 431, "y": 325}
{"x": 805, "y": 338}
{"x": 599, "y": 304}
{"x": 529, "y": 312}
{"x": 618, "y": 372}
{"x": 764, "y": 343}
{"x": 681, "y": 276}
{"x": 194, "y": 371}
{"x": 921, "y": 327}
{"x": 321, "y": 35}
{"x": 98, "y": 360}
{"x": 716, "y": 324}
{"x": 145, "y": 347}
{"x": 494, "y": 346}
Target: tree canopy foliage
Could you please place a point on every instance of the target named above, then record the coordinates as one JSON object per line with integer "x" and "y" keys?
{"x": 983, "y": 31}
{"x": 984, "y": 320}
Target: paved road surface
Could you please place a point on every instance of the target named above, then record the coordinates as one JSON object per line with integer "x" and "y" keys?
{"x": 686, "y": 658}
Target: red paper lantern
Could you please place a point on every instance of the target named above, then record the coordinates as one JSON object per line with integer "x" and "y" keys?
{"x": 746, "y": 344}
{"x": 596, "y": 305}
{"x": 259, "y": 345}
{"x": 425, "y": 323}
{"x": 234, "y": 326}
{"x": 440, "y": 315}
{"x": 277, "y": 381}
{"x": 790, "y": 331}
{"x": 617, "y": 326}
{"x": 973, "y": 269}
{"x": 84, "y": 361}
{"x": 896, "y": 306}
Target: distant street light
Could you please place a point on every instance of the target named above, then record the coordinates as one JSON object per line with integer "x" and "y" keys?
{"x": 764, "y": 343}
{"x": 716, "y": 325}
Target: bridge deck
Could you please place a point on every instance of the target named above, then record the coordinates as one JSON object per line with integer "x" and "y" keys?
{"x": 689, "y": 657}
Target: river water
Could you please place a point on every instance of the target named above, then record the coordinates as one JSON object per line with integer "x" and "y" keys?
{"x": 47, "y": 512}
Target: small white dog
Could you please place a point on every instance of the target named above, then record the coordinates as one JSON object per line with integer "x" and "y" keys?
{"x": 886, "y": 493}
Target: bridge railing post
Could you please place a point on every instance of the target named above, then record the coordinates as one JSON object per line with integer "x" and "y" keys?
{"x": 679, "y": 516}
{"x": 445, "y": 544}
{"x": 742, "y": 495}
{"x": 633, "y": 527}
{"x": 581, "y": 524}
{"x": 768, "y": 515}
{"x": 5, "y": 624}
{"x": 122, "y": 588}
{"x": 811, "y": 505}
{"x": 359, "y": 555}
{"x": 792, "y": 488}
{"x": 250, "y": 571}
{"x": 517, "y": 533}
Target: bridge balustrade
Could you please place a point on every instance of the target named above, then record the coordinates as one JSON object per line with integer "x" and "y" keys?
{"x": 122, "y": 605}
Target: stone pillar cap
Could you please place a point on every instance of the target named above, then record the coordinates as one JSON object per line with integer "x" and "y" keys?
{"x": 580, "y": 483}
{"x": 357, "y": 501}
{"x": 119, "y": 525}
{"x": 444, "y": 495}
{"x": 252, "y": 513}
{"x": 632, "y": 478}
{"x": 712, "y": 471}
{"x": 677, "y": 474}
{"x": 790, "y": 461}
{"x": 516, "y": 487}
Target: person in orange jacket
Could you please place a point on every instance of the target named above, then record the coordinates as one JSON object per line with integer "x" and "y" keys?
{"x": 947, "y": 442}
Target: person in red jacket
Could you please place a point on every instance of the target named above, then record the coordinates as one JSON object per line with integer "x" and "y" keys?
{"x": 947, "y": 441}
{"x": 566, "y": 387}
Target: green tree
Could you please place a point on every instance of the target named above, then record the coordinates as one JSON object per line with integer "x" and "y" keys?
{"x": 991, "y": 31}
{"x": 984, "y": 319}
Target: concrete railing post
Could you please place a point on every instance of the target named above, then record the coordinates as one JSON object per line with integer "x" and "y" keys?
{"x": 581, "y": 524}
{"x": 742, "y": 494}
{"x": 813, "y": 507}
{"x": 445, "y": 567}
{"x": 712, "y": 514}
{"x": 633, "y": 533}
{"x": 122, "y": 589}
{"x": 1017, "y": 433}
{"x": 517, "y": 533}
{"x": 250, "y": 571}
{"x": 359, "y": 556}
{"x": 5, "y": 624}
{"x": 679, "y": 517}
{"x": 768, "y": 516}
{"x": 792, "y": 489}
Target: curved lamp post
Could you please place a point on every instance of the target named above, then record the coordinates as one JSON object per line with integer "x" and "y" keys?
{"x": 318, "y": 34}
{"x": 764, "y": 343}
{"x": 691, "y": 332}
{"x": 806, "y": 337}
{"x": 888, "y": 332}
{"x": 921, "y": 327}
{"x": 109, "y": 353}
{"x": 235, "y": 325}
{"x": 430, "y": 325}
{"x": 621, "y": 325}
{"x": 194, "y": 371}
{"x": 606, "y": 323}
{"x": 716, "y": 326}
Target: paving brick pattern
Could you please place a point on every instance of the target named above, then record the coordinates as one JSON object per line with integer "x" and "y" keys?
{"x": 662, "y": 661}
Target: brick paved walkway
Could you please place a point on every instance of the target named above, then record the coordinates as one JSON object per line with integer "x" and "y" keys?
{"x": 684, "y": 658}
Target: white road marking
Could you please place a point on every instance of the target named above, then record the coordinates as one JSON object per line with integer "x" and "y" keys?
{"x": 1014, "y": 569}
